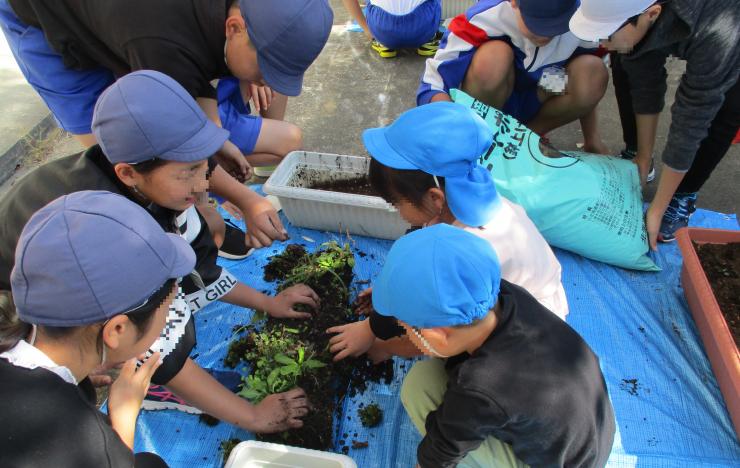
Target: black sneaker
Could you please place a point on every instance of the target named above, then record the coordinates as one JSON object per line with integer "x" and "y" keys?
{"x": 630, "y": 155}
{"x": 234, "y": 246}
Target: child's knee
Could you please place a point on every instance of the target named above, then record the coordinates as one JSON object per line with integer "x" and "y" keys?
{"x": 492, "y": 66}
{"x": 294, "y": 139}
{"x": 421, "y": 378}
{"x": 588, "y": 79}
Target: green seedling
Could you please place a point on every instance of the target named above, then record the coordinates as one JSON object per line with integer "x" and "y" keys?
{"x": 278, "y": 374}
{"x": 370, "y": 415}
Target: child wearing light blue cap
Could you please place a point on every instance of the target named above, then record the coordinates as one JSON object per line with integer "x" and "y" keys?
{"x": 509, "y": 384}
{"x": 426, "y": 164}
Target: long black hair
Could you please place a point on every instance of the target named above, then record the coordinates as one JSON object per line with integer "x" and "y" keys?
{"x": 13, "y": 329}
{"x": 395, "y": 185}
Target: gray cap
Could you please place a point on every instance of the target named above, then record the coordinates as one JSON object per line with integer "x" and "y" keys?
{"x": 89, "y": 256}
{"x": 146, "y": 114}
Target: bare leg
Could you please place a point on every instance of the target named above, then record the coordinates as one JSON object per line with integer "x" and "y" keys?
{"x": 275, "y": 141}
{"x": 587, "y": 80}
{"x": 490, "y": 76}
{"x": 87, "y": 139}
{"x": 354, "y": 10}
{"x": 592, "y": 142}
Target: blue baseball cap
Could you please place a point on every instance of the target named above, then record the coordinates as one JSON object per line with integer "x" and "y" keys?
{"x": 439, "y": 276}
{"x": 443, "y": 139}
{"x": 89, "y": 256}
{"x": 288, "y": 36}
{"x": 146, "y": 114}
{"x": 547, "y": 18}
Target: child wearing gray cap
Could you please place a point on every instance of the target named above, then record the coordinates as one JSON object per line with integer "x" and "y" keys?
{"x": 111, "y": 307}
{"x": 154, "y": 148}
{"x": 71, "y": 51}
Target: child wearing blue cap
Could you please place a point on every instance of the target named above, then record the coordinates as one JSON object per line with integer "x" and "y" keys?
{"x": 518, "y": 56}
{"x": 509, "y": 384}
{"x": 110, "y": 309}
{"x": 71, "y": 51}
{"x": 425, "y": 164}
{"x": 398, "y": 24}
{"x": 154, "y": 147}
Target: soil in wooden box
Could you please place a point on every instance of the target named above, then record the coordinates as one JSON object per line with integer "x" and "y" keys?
{"x": 721, "y": 264}
{"x": 287, "y": 353}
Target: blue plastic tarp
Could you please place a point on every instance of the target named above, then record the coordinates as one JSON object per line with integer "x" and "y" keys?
{"x": 669, "y": 409}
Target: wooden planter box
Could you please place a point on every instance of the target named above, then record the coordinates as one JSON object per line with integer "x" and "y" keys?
{"x": 715, "y": 334}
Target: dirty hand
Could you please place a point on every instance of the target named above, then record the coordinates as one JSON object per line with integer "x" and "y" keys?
{"x": 126, "y": 395}
{"x": 263, "y": 223}
{"x": 364, "y": 302}
{"x": 653, "y": 218}
{"x": 231, "y": 159}
{"x": 261, "y": 96}
{"x": 352, "y": 339}
{"x": 280, "y": 412}
{"x": 281, "y": 306}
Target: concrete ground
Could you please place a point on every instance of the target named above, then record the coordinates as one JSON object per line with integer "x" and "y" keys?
{"x": 350, "y": 88}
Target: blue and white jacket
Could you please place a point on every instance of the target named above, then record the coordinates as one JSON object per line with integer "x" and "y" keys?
{"x": 484, "y": 21}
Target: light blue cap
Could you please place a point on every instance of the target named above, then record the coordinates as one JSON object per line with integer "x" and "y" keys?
{"x": 438, "y": 276}
{"x": 443, "y": 139}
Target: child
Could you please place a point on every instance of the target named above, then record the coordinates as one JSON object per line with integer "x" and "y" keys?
{"x": 499, "y": 51}
{"x": 425, "y": 164}
{"x": 96, "y": 315}
{"x": 706, "y": 113}
{"x": 508, "y": 384}
{"x": 397, "y": 24}
{"x": 71, "y": 51}
{"x": 154, "y": 148}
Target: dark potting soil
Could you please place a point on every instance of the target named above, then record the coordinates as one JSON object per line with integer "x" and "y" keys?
{"x": 721, "y": 263}
{"x": 357, "y": 186}
{"x": 327, "y": 386}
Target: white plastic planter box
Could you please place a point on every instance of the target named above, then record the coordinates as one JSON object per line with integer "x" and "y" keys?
{"x": 452, "y": 8}
{"x": 254, "y": 454}
{"x": 331, "y": 211}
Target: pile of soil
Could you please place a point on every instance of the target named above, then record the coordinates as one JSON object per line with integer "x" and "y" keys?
{"x": 326, "y": 387}
{"x": 357, "y": 186}
{"x": 721, "y": 263}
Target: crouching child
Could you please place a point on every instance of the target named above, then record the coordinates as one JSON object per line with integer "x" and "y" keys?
{"x": 509, "y": 383}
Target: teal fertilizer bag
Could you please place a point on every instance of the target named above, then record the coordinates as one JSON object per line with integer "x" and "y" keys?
{"x": 586, "y": 203}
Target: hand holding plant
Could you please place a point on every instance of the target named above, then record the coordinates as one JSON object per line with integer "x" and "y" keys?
{"x": 282, "y": 305}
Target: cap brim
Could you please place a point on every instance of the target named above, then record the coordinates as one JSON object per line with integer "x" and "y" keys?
{"x": 590, "y": 30}
{"x": 184, "y": 257}
{"x": 204, "y": 144}
{"x": 379, "y": 148}
{"x": 283, "y": 83}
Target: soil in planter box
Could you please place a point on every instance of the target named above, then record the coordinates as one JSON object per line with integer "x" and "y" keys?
{"x": 721, "y": 264}
{"x": 357, "y": 186}
{"x": 329, "y": 273}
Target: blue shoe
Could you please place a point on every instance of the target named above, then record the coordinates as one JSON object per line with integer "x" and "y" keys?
{"x": 677, "y": 215}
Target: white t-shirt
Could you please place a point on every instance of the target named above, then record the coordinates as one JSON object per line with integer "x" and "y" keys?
{"x": 526, "y": 258}
{"x": 398, "y": 7}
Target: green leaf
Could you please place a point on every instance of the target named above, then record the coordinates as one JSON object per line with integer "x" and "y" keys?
{"x": 272, "y": 377}
{"x": 250, "y": 394}
{"x": 291, "y": 369}
{"x": 301, "y": 354}
{"x": 291, "y": 330}
{"x": 283, "y": 359}
{"x": 314, "y": 364}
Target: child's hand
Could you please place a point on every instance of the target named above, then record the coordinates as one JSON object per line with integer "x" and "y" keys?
{"x": 280, "y": 412}
{"x": 377, "y": 353}
{"x": 364, "y": 302}
{"x": 352, "y": 339}
{"x": 263, "y": 223}
{"x": 261, "y": 96}
{"x": 231, "y": 159}
{"x": 281, "y": 306}
{"x": 126, "y": 395}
